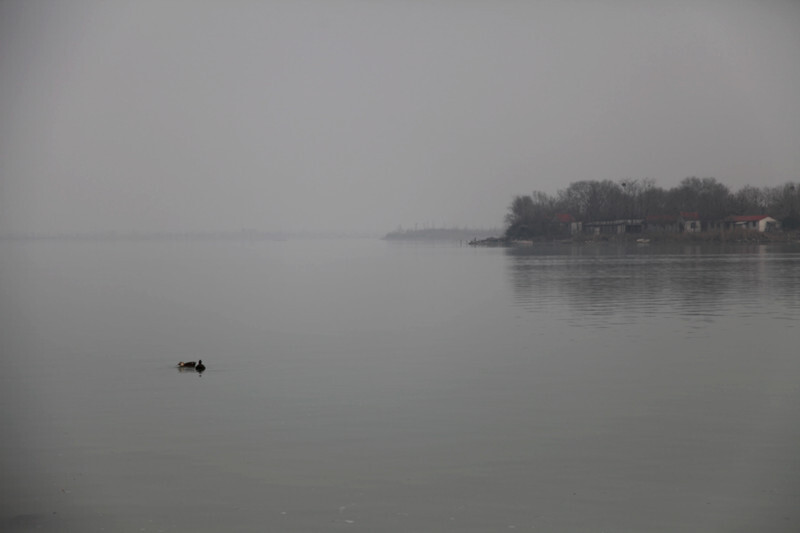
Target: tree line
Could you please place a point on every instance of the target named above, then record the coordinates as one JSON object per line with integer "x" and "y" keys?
{"x": 537, "y": 214}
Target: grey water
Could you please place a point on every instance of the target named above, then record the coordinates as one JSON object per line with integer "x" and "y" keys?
{"x": 364, "y": 385}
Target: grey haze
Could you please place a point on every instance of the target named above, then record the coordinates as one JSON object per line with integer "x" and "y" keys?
{"x": 358, "y": 116}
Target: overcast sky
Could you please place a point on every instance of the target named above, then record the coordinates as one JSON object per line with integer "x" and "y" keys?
{"x": 353, "y": 115}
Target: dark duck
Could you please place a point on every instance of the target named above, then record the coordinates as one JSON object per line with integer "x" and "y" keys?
{"x": 200, "y": 366}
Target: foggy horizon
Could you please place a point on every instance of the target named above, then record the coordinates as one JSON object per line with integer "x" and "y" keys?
{"x": 353, "y": 116}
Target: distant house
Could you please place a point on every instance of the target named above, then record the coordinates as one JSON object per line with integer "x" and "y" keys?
{"x": 690, "y": 221}
{"x": 613, "y": 227}
{"x": 685, "y": 222}
{"x": 760, "y": 223}
{"x": 567, "y": 223}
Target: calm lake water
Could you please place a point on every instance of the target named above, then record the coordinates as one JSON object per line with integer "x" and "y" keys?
{"x": 370, "y": 386}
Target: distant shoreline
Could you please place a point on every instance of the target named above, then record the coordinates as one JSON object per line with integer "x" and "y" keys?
{"x": 708, "y": 237}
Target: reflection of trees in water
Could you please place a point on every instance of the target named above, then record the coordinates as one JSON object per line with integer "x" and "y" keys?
{"x": 627, "y": 283}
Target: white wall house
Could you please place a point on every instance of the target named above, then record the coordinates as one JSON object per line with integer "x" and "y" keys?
{"x": 760, "y": 223}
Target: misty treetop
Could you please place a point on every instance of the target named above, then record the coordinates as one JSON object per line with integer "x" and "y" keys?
{"x": 586, "y": 201}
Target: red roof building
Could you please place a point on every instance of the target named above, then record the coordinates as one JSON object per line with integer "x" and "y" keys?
{"x": 760, "y": 223}
{"x": 568, "y": 223}
{"x": 746, "y": 218}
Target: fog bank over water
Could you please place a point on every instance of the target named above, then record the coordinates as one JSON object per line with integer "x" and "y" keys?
{"x": 361, "y": 116}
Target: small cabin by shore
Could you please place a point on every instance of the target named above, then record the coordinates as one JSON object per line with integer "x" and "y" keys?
{"x": 760, "y": 223}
